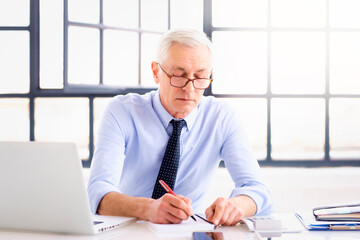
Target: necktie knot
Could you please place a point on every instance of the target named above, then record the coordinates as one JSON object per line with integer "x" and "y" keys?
{"x": 177, "y": 126}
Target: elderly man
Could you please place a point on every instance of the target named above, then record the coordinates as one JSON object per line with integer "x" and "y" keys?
{"x": 177, "y": 135}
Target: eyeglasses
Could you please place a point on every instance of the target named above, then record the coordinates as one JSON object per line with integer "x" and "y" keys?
{"x": 180, "y": 82}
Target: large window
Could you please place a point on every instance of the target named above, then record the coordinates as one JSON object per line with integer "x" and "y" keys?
{"x": 293, "y": 68}
{"x": 290, "y": 67}
{"x": 62, "y": 60}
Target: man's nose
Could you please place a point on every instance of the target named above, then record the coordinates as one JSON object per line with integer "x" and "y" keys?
{"x": 189, "y": 86}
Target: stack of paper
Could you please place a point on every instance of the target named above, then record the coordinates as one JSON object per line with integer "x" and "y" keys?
{"x": 310, "y": 223}
{"x": 338, "y": 213}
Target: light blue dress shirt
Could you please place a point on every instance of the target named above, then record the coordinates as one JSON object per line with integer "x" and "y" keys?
{"x": 131, "y": 143}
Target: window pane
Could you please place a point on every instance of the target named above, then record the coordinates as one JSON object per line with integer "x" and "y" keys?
{"x": 253, "y": 115}
{"x": 344, "y": 62}
{"x": 298, "y": 62}
{"x": 14, "y": 120}
{"x": 298, "y": 129}
{"x": 192, "y": 9}
{"x": 14, "y": 13}
{"x": 84, "y": 11}
{"x": 100, "y": 105}
{"x": 154, "y": 15}
{"x": 121, "y": 55}
{"x": 239, "y": 13}
{"x": 148, "y": 51}
{"x": 295, "y": 13}
{"x": 51, "y": 44}
{"x": 14, "y": 62}
{"x": 240, "y": 62}
{"x": 344, "y": 128}
{"x": 121, "y": 13}
{"x": 344, "y": 13}
{"x": 83, "y": 61}
{"x": 63, "y": 120}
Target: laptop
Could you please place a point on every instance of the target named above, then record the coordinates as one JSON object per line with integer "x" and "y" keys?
{"x": 42, "y": 188}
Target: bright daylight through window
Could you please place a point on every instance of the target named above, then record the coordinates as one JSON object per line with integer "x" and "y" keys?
{"x": 290, "y": 68}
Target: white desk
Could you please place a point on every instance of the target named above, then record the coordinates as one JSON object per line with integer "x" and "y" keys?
{"x": 139, "y": 231}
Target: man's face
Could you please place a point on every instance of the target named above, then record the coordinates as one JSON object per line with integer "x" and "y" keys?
{"x": 184, "y": 61}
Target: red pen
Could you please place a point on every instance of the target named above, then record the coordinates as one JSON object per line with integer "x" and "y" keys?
{"x": 168, "y": 189}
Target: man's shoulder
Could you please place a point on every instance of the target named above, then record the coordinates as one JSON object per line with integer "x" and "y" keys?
{"x": 130, "y": 101}
{"x": 134, "y": 98}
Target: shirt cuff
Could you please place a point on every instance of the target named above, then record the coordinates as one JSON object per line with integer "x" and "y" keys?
{"x": 261, "y": 197}
{"x": 97, "y": 191}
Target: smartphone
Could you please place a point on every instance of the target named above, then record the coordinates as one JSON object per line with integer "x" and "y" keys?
{"x": 207, "y": 236}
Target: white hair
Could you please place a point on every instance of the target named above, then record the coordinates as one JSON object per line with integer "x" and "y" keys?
{"x": 186, "y": 37}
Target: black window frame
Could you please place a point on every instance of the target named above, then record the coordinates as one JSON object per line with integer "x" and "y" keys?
{"x": 99, "y": 91}
{"x": 269, "y": 161}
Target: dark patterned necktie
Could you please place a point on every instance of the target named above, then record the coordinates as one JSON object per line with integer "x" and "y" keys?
{"x": 170, "y": 163}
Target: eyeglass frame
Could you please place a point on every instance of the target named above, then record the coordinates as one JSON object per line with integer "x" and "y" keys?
{"x": 188, "y": 79}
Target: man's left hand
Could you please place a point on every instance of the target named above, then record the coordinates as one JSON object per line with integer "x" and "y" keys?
{"x": 230, "y": 211}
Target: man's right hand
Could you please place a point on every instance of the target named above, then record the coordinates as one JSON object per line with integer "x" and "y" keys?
{"x": 169, "y": 209}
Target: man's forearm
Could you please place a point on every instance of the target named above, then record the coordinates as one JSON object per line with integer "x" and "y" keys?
{"x": 246, "y": 204}
{"x": 167, "y": 209}
{"x": 118, "y": 204}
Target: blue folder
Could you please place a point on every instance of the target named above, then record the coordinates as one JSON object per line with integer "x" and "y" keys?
{"x": 310, "y": 223}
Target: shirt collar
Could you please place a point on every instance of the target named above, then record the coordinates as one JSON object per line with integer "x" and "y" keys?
{"x": 166, "y": 117}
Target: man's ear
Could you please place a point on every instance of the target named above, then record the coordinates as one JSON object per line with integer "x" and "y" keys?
{"x": 155, "y": 71}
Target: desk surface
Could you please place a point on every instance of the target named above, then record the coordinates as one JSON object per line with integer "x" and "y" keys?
{"x": 139, "y": 231}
